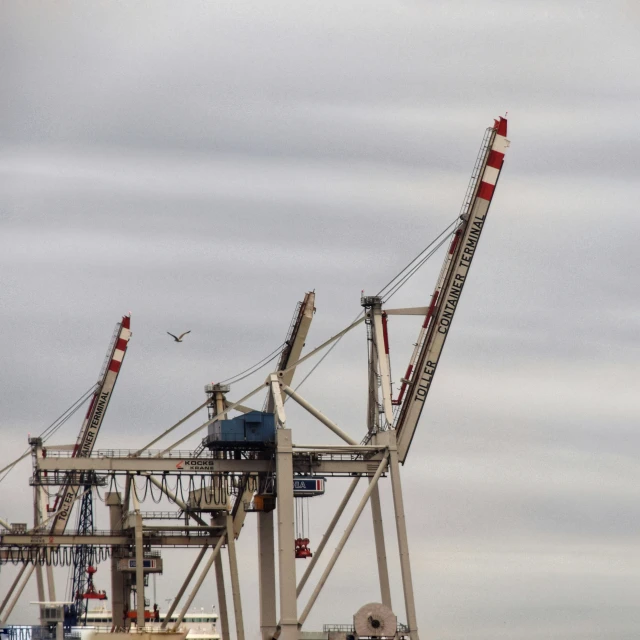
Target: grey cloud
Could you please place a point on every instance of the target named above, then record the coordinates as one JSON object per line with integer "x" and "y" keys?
{"x": 203, "y": 165}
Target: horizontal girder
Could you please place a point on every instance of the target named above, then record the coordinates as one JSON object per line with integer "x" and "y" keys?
{"x": 302, "y": 463}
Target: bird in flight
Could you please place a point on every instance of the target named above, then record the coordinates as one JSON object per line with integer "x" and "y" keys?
{"x": 179, "y": 339}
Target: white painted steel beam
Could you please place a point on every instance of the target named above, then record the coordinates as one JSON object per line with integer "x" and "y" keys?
{"x": 319, "y": 415}
{"x": 286, "y": 536}
{"x": 222, "y": 598}
{"x": 117, "y": 595}
{"x": 139, "y": 551}
{"x": 12, "y": 588}
{"x": 266, "y": 574}
{"x": 407, "y": 311}
{"x": 20, "y": 589}
{"x": 115, "y": 538}
{"x": 383, "y": 363}
{"x": 276, "y": 396}
{"x": 403, "y": 543}
{"x": 381, "y": 553}
{"x": 235, "y": 579}
{"x": 212, "y": 466}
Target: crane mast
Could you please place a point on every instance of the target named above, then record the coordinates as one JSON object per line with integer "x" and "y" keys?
{"x": 93, "y": 421}
{"x": 444, "y": 301}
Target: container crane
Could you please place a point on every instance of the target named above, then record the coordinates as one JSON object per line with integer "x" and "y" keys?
{"x": 243, "y": 448}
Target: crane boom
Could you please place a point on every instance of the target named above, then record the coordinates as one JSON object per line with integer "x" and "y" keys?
{"x": 296, "y": 337}
{"x": 93, "y": 420}
{"x": 453, "y": 275}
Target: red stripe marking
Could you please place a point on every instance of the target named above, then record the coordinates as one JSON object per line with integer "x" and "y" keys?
{"x": 90, "y": 409}
{"x": 486, "y": 190}
{"x": 385, "y": 335}
{"x": 454, "y": 242}
{"x": 114, "y": 365}
{"x": 122, "y": 344}
{"x": 430, "y": 312}
{"x": 404, "y": 385}
{"x": 126, "y": 322}
{"x": 495, "y": 159}
{"x": 500, "y": 125}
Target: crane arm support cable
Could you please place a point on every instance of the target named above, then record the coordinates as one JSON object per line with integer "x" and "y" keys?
{"x": 325, "y": 344}
{"x": 170, "y": 429}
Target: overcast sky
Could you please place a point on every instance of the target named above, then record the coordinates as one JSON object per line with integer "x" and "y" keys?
{"x": 203, "y": 164}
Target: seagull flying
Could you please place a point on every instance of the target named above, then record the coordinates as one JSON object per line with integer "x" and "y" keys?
{"x": 179, "y": 339}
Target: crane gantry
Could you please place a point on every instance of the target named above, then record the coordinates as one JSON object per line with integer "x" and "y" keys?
{"x": 251, "y": 463}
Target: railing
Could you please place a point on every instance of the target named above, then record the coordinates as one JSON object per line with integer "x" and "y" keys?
{"x": 110, "y": 351}
{"x": 27, "y": 632}
{"x": 71, "y": 478}
{"x": 159, "y": 515}
{"x": 402, "y": 629}
{"x": 477, "y": 170}
{"x": 127, "y": 453}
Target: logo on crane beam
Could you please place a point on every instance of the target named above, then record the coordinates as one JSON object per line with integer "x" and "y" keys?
{"x": 195, "y": 464}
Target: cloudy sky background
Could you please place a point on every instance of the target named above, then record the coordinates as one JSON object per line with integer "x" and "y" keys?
{"x": 204, "y": 164}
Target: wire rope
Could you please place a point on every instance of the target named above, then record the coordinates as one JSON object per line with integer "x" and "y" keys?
{"x": 51, "y": 429}
{"x": 440, "y": 240}
{"x": 252, "y": 369}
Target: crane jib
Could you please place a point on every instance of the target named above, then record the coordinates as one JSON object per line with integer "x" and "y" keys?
{"x": 94, "y": 426}
{"x": 448, "y": 307}
{"x": 93, "y": 421}
{"x": 435, "y": 329}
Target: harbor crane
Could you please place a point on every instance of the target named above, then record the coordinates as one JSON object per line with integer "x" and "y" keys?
{"x": 68, "y": 493}
{"x": 249, "y": 461}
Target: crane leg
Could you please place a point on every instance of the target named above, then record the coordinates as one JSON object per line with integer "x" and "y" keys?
{"x": 140, "y": 621}
{"x": 37, "y": 516}
{"x": 381, "y": 553}
{"x": 116, "y": 512}
{"x": 267, "y": 573}
{"x": 403, "y": 543}
{"x": 51, "y": 585}
{"x": 222, "y": 599}
{"x": 235, "y": 580}
{"x": 286, "y": 536}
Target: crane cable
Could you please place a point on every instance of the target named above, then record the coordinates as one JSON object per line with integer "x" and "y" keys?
{"x": 389, "y": 290}
{"x": 256, "y": 367}
{"x": 402, "y": 278}
{"x": 52, "y": 428}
